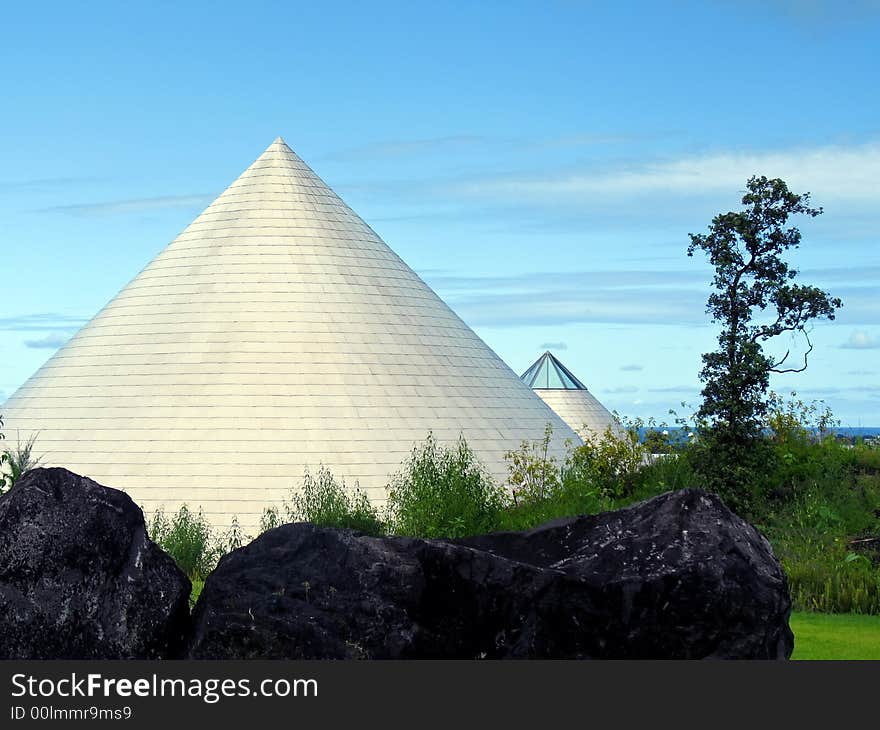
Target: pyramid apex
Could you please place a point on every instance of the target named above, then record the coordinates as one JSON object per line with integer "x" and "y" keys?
{"x": 548, "y": 372}
{"x": 277, "y": 155}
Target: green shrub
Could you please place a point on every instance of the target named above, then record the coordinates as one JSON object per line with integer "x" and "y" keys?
{"x": 4, "y": 484}
{"x": 233, "y": 538}
{"x": 813, "y": 525}
{"x": 324, "y": 501}
{"x": 270, "y": 519}
{"x": 532, "y": 473}
{"x": 866, "y": 458}
{"x": 188, "y": 539}
{"x": 543, "y": 489}
{"x": 16, "y": 462}
{"x": 569, "y": 500}
{"x": 611, "y": 462}
{"x": 663, "y": 473}
{"x": 443, "y": 492}
{"x": 735, "y": 469}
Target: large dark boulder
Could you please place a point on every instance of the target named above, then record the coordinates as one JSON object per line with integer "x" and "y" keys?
{"x": 306, "y": 592}
{"x": 678, "y": 576}
{"x": 80, "y": 579}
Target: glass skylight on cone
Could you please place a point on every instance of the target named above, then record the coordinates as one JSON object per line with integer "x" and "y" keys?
{"x": 568, "y": 397}
{"x": 548, "y": 372}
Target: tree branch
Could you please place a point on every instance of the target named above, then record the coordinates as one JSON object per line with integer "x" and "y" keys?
{"x": 784, "y": 358}
{"x": 794, "y": 370}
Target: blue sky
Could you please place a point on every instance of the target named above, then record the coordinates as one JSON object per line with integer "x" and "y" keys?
{"x": 539, "y": 164}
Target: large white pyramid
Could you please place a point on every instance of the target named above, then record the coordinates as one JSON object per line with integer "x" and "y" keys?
{"x": 277, "y": 332}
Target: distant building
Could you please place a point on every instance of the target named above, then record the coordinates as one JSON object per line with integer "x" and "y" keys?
{"x": 277, "y": 332}
{"x": 568, "y": 396}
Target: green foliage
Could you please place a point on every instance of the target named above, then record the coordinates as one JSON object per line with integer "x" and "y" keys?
{"x": 658, "y": 441}
{"x": 195, "y": 592}
{"x": 735, "y": 467}
{"x": 754, "y": 300}
{"x": 233, "y": 538}
{"x": 4, "y": 484}
{"x": 611, "y": 462}
{"x": 821, "y": 506}
{"x": 19, "y": 460}
{"x": 830, "y": 576}
{"x": 270, "y": 519}
{"x": 542, "y": 489}
{"x": 815, "y": 497}
{"x": 662, "y": 473}
{"x": 324, "y": 501}
{"x": 569, "y": 499}
{"x": 443, "y": 492}
{"x": 795, "y": 420}
{"x": 188, "y": 539}
{"x": 866, "y": 459}
{"x": 532, "y": 472}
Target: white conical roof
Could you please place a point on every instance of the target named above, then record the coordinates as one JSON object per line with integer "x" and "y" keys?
{"x": 568, "y": 397}
{"x": 276, "y": 332}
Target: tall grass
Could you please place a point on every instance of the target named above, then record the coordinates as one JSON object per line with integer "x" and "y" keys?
{"x": 443, "y": 491}
{"x": 325, "y": 501}
{"x": 187, "y": 537}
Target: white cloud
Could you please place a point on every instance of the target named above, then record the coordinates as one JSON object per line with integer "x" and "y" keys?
{"x": 134, "y": 205}
{"x": 833, "y": 172}
{"x": 862, "y": 340}
{"x": 552, "y": 298}
{"x": 621, "y": 389}
{"x": 401, "y": 147}
{"x": 41, "y": 322}
{"x": 51, "y": 341}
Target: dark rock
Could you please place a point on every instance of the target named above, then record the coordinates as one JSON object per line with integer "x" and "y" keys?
{"x": 301, "y": 591}
{"x": 79, "y": 578}
{"x": 679, "y": 576}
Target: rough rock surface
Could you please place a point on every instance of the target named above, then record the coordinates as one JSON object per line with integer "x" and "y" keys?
{"x": 678, "y": 576}
{"x": 79, "y": 578}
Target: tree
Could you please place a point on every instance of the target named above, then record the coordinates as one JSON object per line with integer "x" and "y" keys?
{"x": 756, "y": 300}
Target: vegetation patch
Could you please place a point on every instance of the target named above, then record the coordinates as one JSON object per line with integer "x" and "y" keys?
{"x": 324, "y": 500}
{"x": 824, "y": 636}
{"x": 443, "y": 492}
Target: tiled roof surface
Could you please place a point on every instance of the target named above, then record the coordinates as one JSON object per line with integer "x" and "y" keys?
{"x": 278, "y": 331}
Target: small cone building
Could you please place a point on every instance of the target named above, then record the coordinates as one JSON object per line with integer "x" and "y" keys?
{"x": 278, "y": 332}
{"x": 568, "y": 397}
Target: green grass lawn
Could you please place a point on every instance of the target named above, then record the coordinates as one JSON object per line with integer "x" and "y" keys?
{"x": 835, "y": 636}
